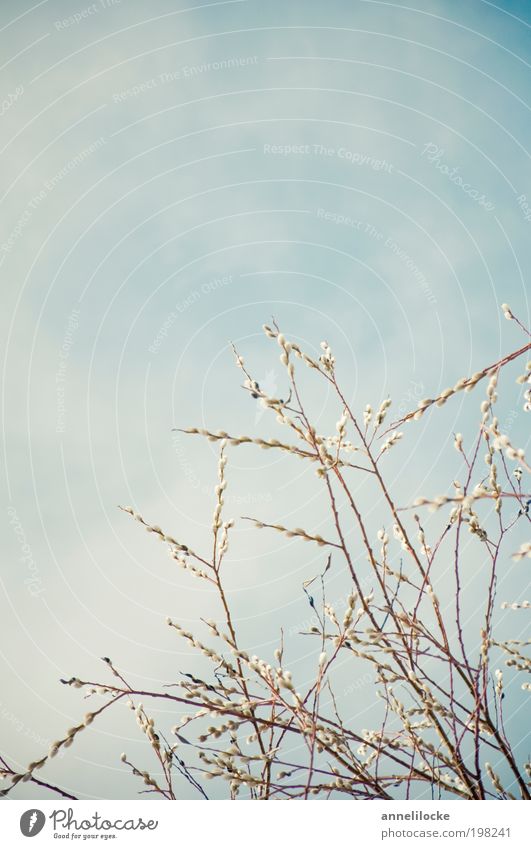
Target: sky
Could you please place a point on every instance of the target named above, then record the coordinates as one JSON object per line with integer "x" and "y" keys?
{"x": 172, "y": 178}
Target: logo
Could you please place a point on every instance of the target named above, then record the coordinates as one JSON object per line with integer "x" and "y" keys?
{"x": 32, "y": 822}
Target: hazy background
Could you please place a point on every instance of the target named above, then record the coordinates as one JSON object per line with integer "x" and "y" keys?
{"x": 145, "y": 223}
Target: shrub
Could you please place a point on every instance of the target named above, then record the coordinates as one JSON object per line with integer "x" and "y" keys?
{"x": 441, "y": 721}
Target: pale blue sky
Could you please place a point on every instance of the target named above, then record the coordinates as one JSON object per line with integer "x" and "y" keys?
{"x": 171, "y": 178}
